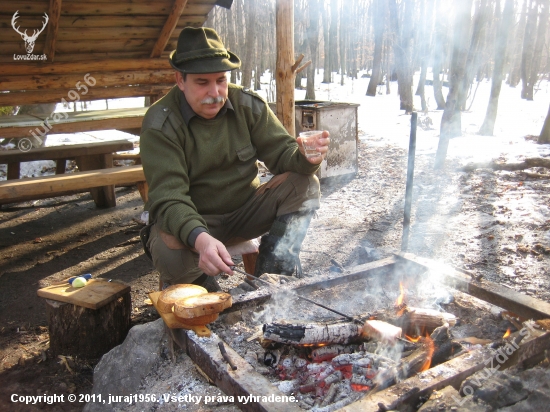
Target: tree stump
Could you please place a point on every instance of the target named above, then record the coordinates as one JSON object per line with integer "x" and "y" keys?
{"x": 87, "y": 333}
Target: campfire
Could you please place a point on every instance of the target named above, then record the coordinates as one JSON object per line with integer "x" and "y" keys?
{"x": 334, "y": 363}
{"x": 406, "y": 336}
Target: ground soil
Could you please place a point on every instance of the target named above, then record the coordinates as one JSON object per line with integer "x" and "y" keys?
{"x": 494, "y": 224}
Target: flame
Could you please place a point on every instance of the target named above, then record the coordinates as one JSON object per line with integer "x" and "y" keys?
{"x": 506, "y": 334}
{"x": 431, "y": 347}
{"x": 401, "y": 297}
{"x": 414, "y": 340}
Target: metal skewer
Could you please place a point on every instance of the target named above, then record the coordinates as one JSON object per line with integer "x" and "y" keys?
{"x": 348, "y": 317}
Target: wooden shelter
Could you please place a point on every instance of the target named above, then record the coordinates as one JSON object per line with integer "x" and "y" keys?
{"x": 124, "y": 45}
{"x": 67, "y": 50}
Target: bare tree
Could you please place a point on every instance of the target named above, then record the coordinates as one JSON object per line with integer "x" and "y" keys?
{"x": 488, "y": 125}
{"x": 545, "y": 132}
{"x": 403, "y": 51}
{"x": 451, "y": 122}
{"x": 440, "y": 41}
{"x": 515, "y": 72}
{"x": 532, "y": 75}
{"x": 250, "y": 42}
{"x": 313, "y": 43}
{"x": 327, "y": 52}
{"x": 528, "y": 46}
{"x": 379, "y": 13}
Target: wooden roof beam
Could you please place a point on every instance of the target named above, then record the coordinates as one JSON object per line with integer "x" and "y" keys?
{"x": 169, "y": 26}
{"x": 51, "y": 36}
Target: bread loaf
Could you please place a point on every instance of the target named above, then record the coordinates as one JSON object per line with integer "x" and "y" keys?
{"x": 201, "y": 305}
{"x": 172, "y": 293}
{"x": 198, "y": 321}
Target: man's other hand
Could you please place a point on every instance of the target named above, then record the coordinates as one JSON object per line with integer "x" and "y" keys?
{"x": 214, "y": 257}
{"x": 322, "y": 148}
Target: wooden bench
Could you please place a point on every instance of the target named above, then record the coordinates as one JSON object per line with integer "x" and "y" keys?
{"x": 88, "y": 156}
{"x": 12, "y": 191}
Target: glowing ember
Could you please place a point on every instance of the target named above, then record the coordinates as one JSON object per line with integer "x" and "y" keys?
{"x": 506, "y": 334}
{"x": 414, "y": 340}
{"x": 359, "y": 388}
{"x": 431, "y": 348}
{"x": 401, "y": 297}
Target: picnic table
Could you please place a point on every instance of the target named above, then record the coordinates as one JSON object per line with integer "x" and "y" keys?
{"x": 94, "y": 161}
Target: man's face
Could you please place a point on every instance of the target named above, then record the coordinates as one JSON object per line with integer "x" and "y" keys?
{"x": 205, "y": 93}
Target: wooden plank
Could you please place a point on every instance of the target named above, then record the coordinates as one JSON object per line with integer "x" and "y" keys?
{"x": 103, "y": 79}
{"x": 75, "y": 57}
{"x": 65, "y": 151}
{"x": 96, "y": 293}
{"x": 21, "y": 126}
{"x": 92, "y": 33}
{"x": 53, "y": 27}
{"x": 168, "y": 27}
{"x": 407, "y": 392}
{"x": 383, "y": 267}
{"x": 522, "y": 305}
{"x": 95, "y": 93}
{"x": 12, "y": 190}
{"x": 241, "y": 382}
{"x": 14, "y": 170}
{"x": 93, "y": 22}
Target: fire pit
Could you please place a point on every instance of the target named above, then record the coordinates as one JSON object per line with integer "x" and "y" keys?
{"x": 311, "y": 359}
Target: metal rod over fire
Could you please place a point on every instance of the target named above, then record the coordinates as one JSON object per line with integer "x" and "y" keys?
{"x": 409, "y": 187}
{"x": 348, "y": 317}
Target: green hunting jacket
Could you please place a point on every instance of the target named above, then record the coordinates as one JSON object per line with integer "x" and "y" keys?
{"x": 209, "y": 167}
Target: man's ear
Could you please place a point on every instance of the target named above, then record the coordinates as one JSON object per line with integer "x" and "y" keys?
{"x": 179, "y": 81}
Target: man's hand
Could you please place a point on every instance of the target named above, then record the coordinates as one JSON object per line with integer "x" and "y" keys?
{"x": 214, "y": 257}
{"x": 322, "y": 148}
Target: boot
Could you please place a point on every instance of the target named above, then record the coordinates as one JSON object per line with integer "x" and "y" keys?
{"x": 280, "y": 248}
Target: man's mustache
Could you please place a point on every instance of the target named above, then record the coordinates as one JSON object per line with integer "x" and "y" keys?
{"x": 213, "y": 100}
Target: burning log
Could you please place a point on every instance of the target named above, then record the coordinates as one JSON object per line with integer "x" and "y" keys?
{"x": 326, "y": 353}
{"x": 416, "y": 321}
{"x": 381, "y": 331}
{"x": 313, "y": 333}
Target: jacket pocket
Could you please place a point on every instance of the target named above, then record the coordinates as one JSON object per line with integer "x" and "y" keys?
{"x": 247, "y": 155}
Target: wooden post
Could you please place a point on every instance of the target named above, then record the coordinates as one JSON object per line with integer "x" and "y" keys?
{"x": 286, "y": 66}
{"x": 285, "y": 59}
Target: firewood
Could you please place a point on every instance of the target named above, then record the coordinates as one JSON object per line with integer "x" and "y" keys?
{"x": 313, "y": 333}
{"x": 427, "y": 318}
{"x": 172, "y": 293}
{"x": 202, "y": 305}
{"x": 381, "y": 331}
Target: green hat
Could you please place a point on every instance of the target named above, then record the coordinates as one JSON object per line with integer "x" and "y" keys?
{"x": 200, "y": 50}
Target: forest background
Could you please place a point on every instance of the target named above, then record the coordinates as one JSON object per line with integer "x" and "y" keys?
{"x": 451, "y": 44}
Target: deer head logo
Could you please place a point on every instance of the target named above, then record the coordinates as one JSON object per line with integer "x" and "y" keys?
{"x": 29, "y": 40}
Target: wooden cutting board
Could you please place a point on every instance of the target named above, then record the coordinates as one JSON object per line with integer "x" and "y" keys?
{"x": 173, "y": 323}
{"x": 96, "y": 293}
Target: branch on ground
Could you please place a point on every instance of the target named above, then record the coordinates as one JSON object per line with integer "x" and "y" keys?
{"x": 526, "y": 164}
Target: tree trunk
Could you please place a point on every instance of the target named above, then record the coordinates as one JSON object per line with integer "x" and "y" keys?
{"x": 333, "y": 38}
{"x": 248, "y": 63}
{"x": 545, "y": 132}
{"x": 438, "y": 54}
{"x": 326, "y": 40}
{"x": 379, "y": 23}
{"x": 313, "y": 43}
{"x": 528, "y": 47}
{"x": 426, "y": 14}
{"x": 402, "y": 52}
{"x": 515, "y": 72}
{"x": 474, "y": 52}
{"x": 537, "y": 53}
{"x": 488, "y": 126}
{"x": 450, "y": 122}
